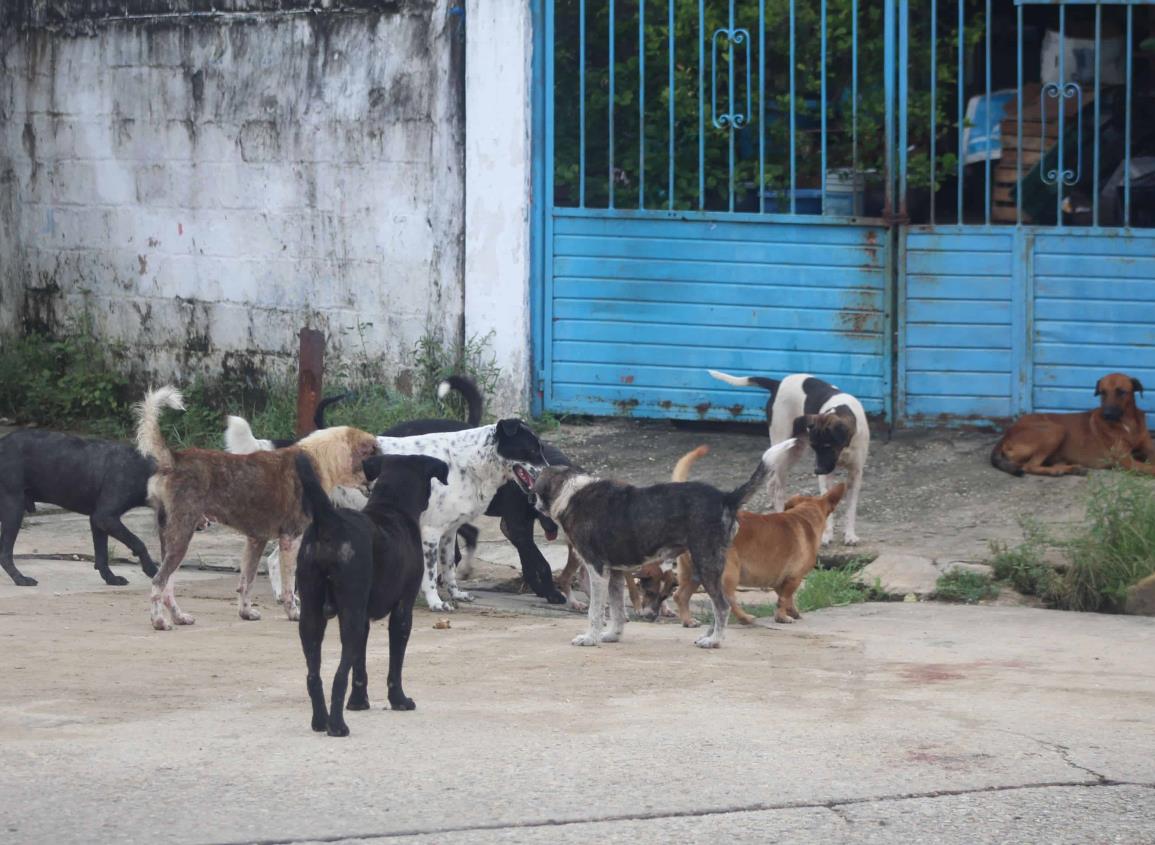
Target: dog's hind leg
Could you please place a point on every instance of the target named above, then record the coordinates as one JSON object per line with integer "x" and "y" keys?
{"x": 449, "y": 571}
{"x": 11, "y": 513}
{"x": 100, "y": 555}
{"x": 463, "y": 561}
{"x": 359, "y": 697}
{"x": 616, "y": 591}
{"x": 254, "y": 548}
{"x": 599, "y": 590}
{"x": 111, "y": 525}
{"x": 178, "y": 534}
{"x": 787, "y": 612}
{"x": 353, "y": 625}
{"x": 710, "y": 574}
{"x": 400, "y": 624}
{"x": 687, "y": 585}
{"x": 535, "y": 569}
{"x": 312, "y": 632}
{"x": 288, "y": 547}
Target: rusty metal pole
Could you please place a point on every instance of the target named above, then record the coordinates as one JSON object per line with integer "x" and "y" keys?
{"x": 310, "y": 368}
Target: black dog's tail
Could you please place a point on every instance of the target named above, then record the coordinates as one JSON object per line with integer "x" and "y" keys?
{"x": 1001, "y": 461}
{"x": 770, "y": 384}
{"x": 323, "y": 405}
{"x": 314, "y": 500}
{"x": 469, "y": 392}
{"x": 769, "y": 463}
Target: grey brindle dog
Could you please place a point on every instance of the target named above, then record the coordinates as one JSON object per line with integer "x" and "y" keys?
{"x": 614, "y": 527}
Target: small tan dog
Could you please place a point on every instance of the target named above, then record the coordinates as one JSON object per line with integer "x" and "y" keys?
{"x": 773, "y": 551}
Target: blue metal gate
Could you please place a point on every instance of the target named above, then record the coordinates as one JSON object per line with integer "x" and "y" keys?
{"x": 712, "y": 198}
{"x": 1038, "y": 275}
{"x": 943, "y": 206}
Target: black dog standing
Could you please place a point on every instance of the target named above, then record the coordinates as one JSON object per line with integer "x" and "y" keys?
{"x": 102, "y": 479}
{"x": 368, "y": 565}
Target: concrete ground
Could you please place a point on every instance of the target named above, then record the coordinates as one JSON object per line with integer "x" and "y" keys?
{"x": 874, "y": 723}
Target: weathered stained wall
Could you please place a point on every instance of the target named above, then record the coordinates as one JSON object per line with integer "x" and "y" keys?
{"x": 200, "y": 186}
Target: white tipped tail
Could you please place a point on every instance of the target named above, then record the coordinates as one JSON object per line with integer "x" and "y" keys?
{"x": 149, "y": 440}
{"x": 443, "y": 389}
{"x": 239, "y": 439}
{"x": 738, "y": 381}
{"x": 774, "y": 455}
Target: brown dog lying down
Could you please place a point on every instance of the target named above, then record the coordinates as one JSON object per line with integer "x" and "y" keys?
{"x": 1114, "y": 434}
{"x": 773, "y": 551}
{"x": 258, "y": 495}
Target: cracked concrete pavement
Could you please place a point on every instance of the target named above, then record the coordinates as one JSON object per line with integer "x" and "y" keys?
{"x": 873, "y": 723}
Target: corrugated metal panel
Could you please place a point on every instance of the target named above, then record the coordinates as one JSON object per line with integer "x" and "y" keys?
{"x": 1094, "y": 314}
{"x": 958, "y": 343}
{"x": 639, "y": 308}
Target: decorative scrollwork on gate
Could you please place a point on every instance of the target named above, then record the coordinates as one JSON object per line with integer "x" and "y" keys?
{"x": 1058, "y": 93}
{"x": 737, "y": 37}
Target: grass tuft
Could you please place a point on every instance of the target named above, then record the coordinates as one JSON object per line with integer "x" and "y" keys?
{"x": 963, "y": 586}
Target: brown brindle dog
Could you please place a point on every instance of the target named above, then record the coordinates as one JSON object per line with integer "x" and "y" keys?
{"x": 774, "y": 551}
{"x": 258, "y": 495}
{"x": 1114, "y": 434}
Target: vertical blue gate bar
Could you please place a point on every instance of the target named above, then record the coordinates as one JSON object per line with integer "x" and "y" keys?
{"x": 1098, "y": 125}
{"x": 903, "y": 99}
{"x": 1062, "y": 84}
{"x": 544, "y": 179}
{"x": 581, "y": 97}
{"x": 1127, "y": 125}
{"x": 610, "y": 148}
{"x": 761, "y": 106}
{"x": 854, "y": 85}
{"x": 730, "y": 36}
{"x": 1019, "y": 118}
{"x": 822, "y": 66}
{"x": 670, "y": 95}
{"x": 641, "y": 103}
{"x": 793, "y": 184}
{"x": 888, "y": 71}
{"x": 701, "y": 104}
{"x": 961, "y": 106}
{"x": 933, "y": 99}
{"x": 989, "y": 107}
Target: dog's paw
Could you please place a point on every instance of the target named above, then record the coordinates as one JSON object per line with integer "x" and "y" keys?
{"x": 338, "y": 728}
{"x": 179, "y": 617}
{"x": 437, "y": 605}
{"x": 611, "y": 637}
{"x": 584, "y": 639}
{"x": 293, "y": 612}
{"x": 320, "y": 722}
{"x": 161, "y": 624}
{"x": 114, "y": 580}
{"x": 556, "y": 597}
{"x": 782, "y": 619}
{"x": 250, "y": 614}
{"x": 578, "y": 606}
{"x": 149, "y": 569}
{"x": 358, "y": 698}
{"x": 25, "y": 581}
{"x": 402, "y": 703}
{"x": 850, "y": 538}
{"x": 691, "y": 623}
{"x": 708, "y": 641}
{"x": 460, "y": 595}
{"x": 1077, "y": 470}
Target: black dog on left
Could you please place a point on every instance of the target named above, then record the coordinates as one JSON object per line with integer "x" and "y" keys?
{"x": 102, "y": 479}
{"x": 367, "y": 565}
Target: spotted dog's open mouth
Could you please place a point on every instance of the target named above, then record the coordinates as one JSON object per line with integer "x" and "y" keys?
{"x": 524, "y": 477}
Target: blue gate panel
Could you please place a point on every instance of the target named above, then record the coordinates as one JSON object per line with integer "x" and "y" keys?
{"x": 1094, "y": 313}
{"x": 957, "y": 350}
{"x": 638, "y": 308}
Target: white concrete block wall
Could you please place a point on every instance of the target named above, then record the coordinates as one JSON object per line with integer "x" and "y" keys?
{"x": 200, "y": 189}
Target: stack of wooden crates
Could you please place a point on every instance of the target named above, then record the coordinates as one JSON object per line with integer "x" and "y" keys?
{"x": 1034, "y": 145}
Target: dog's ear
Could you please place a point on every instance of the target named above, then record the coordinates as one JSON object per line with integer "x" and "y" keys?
{"x": 438, "y": 469}
{"x": 509, "y": 427}
{"x": 803, "y": 425}
{"x": 1137, "y": 386}
{"x": 1099, "y": 387}
{"x": 372, "y": 467}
